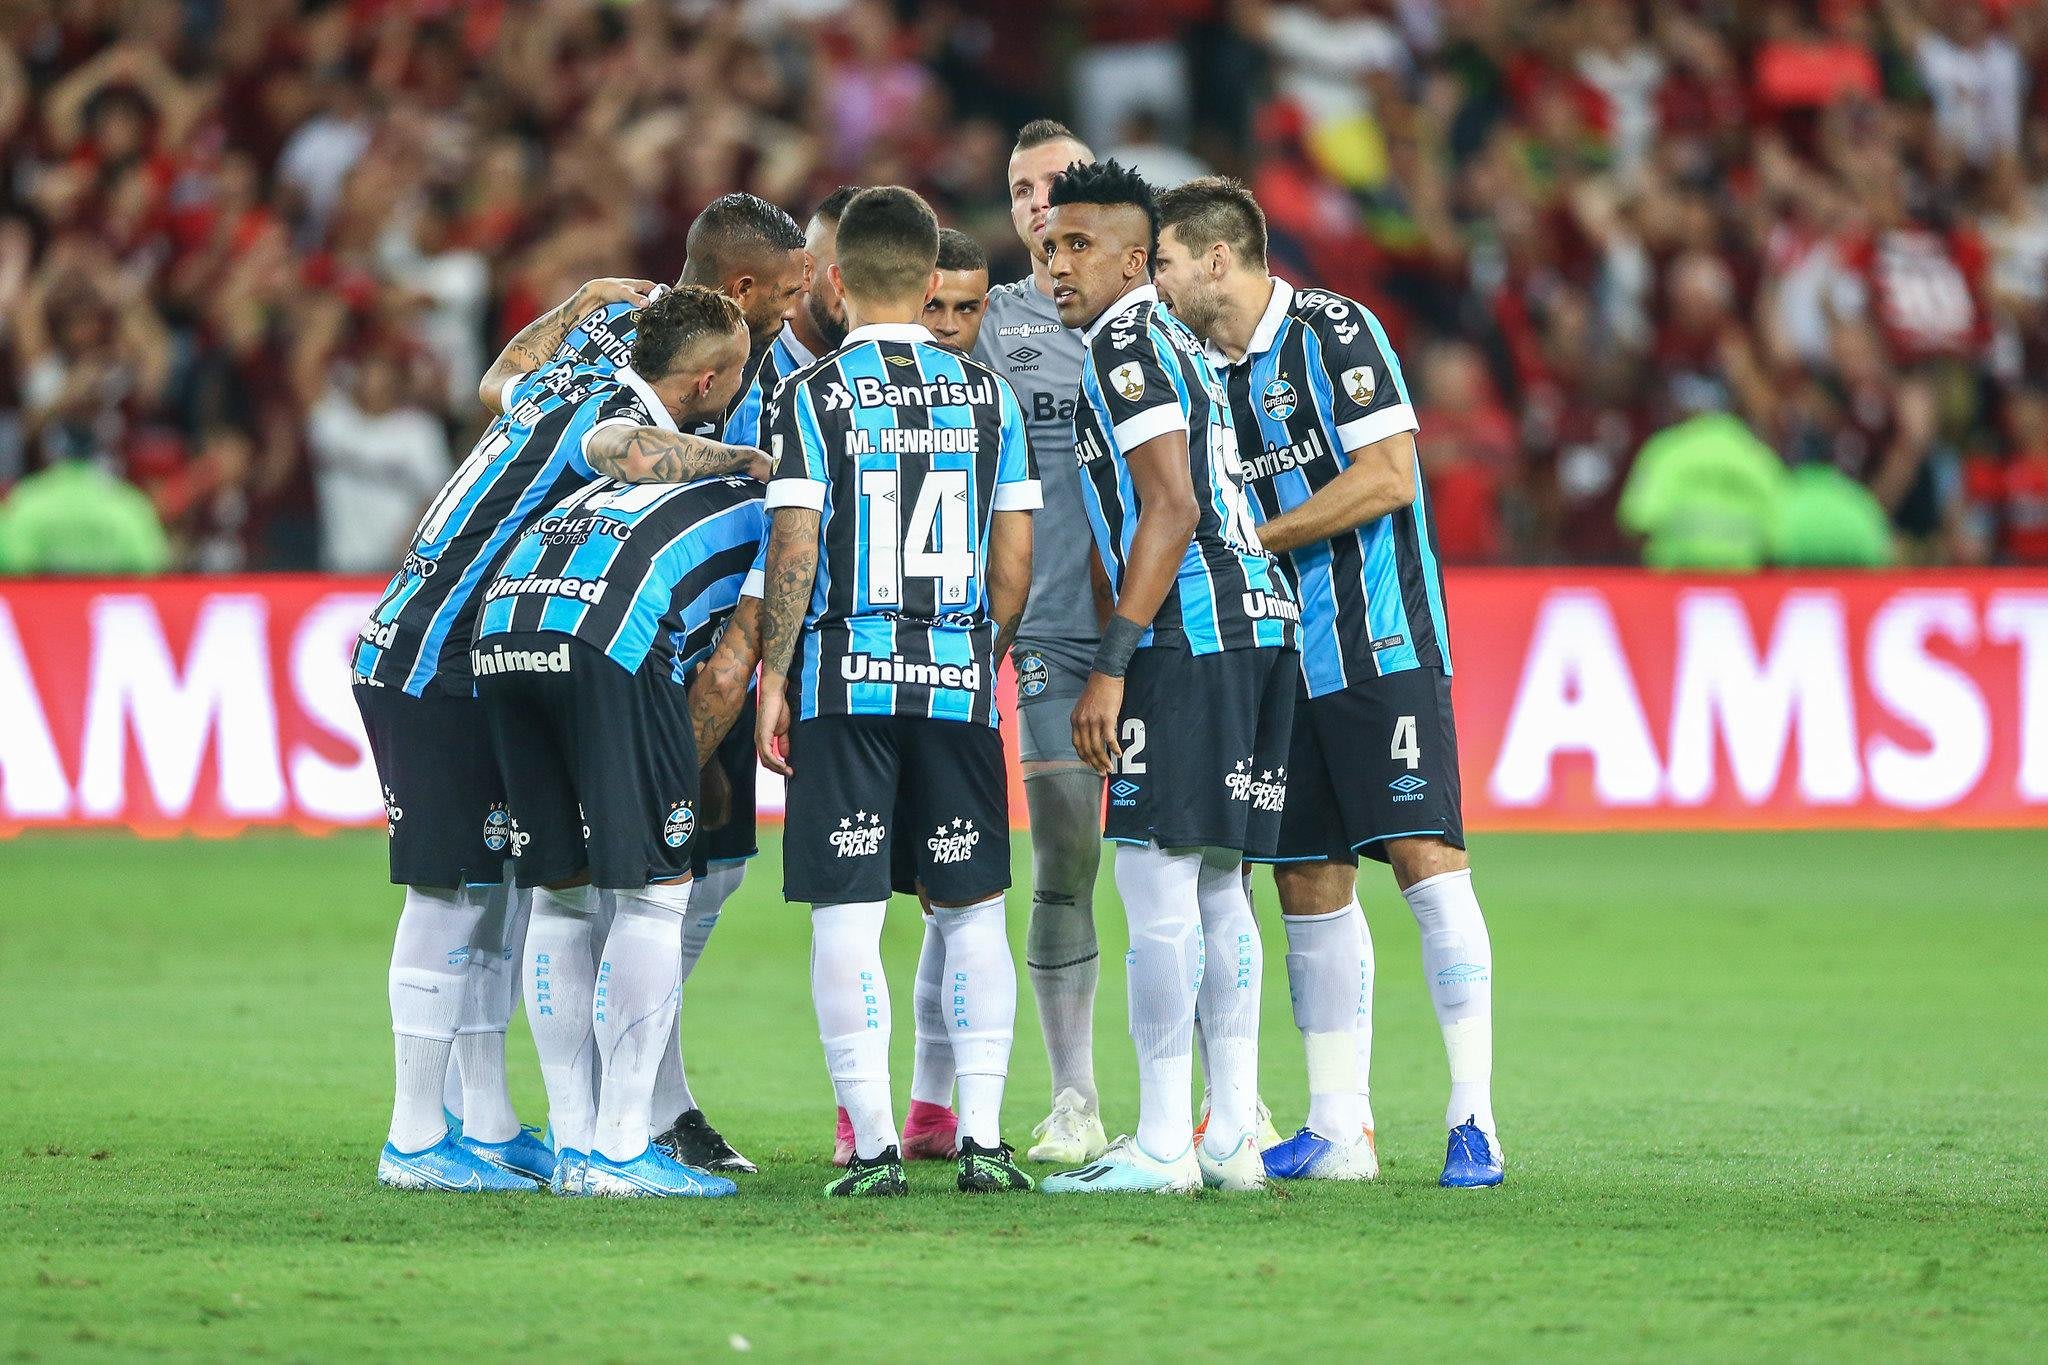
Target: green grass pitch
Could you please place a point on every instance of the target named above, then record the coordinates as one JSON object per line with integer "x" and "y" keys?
{"x": 1762, "y": 1095}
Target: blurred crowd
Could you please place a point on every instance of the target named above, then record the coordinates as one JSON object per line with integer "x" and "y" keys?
{"x": 1658, "y": 271}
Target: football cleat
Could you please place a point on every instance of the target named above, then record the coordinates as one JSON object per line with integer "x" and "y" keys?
{"x": 1470, "y": 1162}
{"x": 453, "y": 1120}
{"x": 653, "y": 1174}
{"x": 873, "y": 1176}
{"x": 1071, "y": 1135}
{"x": 989, "y": 1170}
{"x": 842, "y": 1140}
{"x": 522, "y": 1154}
{"x": 931, "y": 1132}
{"x": 1264, "y": 1134}
{"x": 1308, "y": 1155}
{"x": 1126, "y": 1168}
{"x": 449, "y": 1166}
{"x": 570, "y": 1165}
{"x": 1240, "y": 1170}
{"x": 693, "y": 1141}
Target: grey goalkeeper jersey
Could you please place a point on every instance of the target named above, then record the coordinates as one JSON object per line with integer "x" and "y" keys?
{"x": 1024, "y": 341}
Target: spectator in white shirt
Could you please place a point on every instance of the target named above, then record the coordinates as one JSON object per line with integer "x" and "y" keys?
{"x": 377, "y": 460}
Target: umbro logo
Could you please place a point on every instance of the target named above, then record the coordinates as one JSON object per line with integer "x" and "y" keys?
{"x": 1026, "y": 354}
{"x": 1407, "y": 783}
{"x": 1124, "y": 789}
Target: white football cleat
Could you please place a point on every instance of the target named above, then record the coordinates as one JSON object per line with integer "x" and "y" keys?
{"x": 1127, "y": 1168}
{"x": 1263, "y": 1131}
{"x": 1071, "y": 1134}
{"x": 1241, "y": 1170}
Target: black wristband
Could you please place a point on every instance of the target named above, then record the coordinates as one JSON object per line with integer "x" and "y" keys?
{"x": 1119, "y": 641}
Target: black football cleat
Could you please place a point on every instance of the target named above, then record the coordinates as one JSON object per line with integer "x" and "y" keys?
{"x": 867, "y": 1177}
{"x": 693, "y": 1141}
{"x": 989, "y": 1170}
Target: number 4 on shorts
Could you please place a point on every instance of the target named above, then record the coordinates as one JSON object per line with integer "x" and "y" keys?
{"x": 1405, "y": 746}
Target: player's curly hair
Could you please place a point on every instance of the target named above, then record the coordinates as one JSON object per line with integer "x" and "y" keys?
{"x": 672, "y": 325}
{"x": 1109, "y": 182}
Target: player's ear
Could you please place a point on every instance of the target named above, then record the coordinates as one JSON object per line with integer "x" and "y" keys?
{"x": 838, "y": 280}
{"x": 1219, "y": 261}
{"x": 739, "y": 287}
{"x": 931, "y": 286}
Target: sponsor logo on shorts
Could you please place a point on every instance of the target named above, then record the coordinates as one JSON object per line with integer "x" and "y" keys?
{"x": 867, "y": 668}
{"x": 589, "y": 590}
{"x": 1278, "y": 400}
{"x": 1123, "y": 792}
{"x": 858, "y": 835}
{"x": 1408, "y": 787}
{"x": 498, "y": 659}
{"x": 393, "y": 813}
{"x": 1264, "y": 605}
{"x": 497, "y": 828}
{"x": 1266, "y": 790}
{"x": 1032, "y": 674}
{"x": 676, "y": 830}
{"x": 520, "y": 839}
{"x": 380, "y": 635}
{"x": 953, "y": 843}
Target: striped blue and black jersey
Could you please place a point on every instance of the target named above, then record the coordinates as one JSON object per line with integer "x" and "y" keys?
{"x": 1318, "y": 380}
{"x": 526, "y": 462}
{"x": 646, "y": 572}
{"x": 746, "y": 422}
{"x": 1145, "y": 376}
{"x": 907, "y": 450}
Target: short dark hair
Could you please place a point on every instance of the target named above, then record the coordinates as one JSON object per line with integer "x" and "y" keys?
{"x": 736, "y": 230}
{"x": 958, "y": 251}
{"x": 1107, "y": 182}
{"x": 1216, "y": 208}
{"x": 1040, "y": 131}
{"x": 833, "y": 206}
{"x": 888, "y": 243}
{"x": 675, "y": 322}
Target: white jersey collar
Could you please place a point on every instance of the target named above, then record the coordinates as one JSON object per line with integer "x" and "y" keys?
{"x": 889, "y": 331}
{"x": 1262, "y": 335}
{"x": 632, "y": 380}
{"x": 797, "y": 350}
{"x": 1145, "y": 293}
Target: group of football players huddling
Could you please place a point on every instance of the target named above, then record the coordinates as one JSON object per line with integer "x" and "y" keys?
{"x": 794, "y": 511}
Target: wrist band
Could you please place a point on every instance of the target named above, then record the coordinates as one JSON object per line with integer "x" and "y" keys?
{"x": 1119, "y": 641}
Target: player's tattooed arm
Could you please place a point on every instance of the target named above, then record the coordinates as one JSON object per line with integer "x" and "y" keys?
{"x": 535, "y": 343}
{"x": 1009, "y": 575}
{"x": 720, "y": 687}
{"x": 792, "y": 569}
{"x": 1381, "y": 479}
{"x": 636, "y": 454}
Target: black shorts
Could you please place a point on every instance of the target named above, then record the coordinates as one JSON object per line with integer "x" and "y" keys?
{"x": 737, "y": 837}
{"x": 1204, "y": 741}
{"x": 600, "y": 765}
{"x": 444, "y": 805}
{"x": 1374, "y": 762}
{"x": 880, "y": 802}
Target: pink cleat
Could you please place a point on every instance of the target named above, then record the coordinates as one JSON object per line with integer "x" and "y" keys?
{"x": 931, "y": 1132}
{"x": 842, "y": 1141}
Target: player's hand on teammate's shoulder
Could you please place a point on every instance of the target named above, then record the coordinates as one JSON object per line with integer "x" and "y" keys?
{"x": 596, "y": 293}
{"x": 1094, "y": 719}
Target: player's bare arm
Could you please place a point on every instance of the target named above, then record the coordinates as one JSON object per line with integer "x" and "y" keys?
{"x": 1167, "y": 517}
{"x": 535, "y": 343}
{"x": 636, "y": 454}
{"x": 1381, "y": 479}
{"x": 1098, "y": 583}
{"x": 792, "y": 568}
{"x": 720, "y": 687}
{"x": 1009, "y": 575}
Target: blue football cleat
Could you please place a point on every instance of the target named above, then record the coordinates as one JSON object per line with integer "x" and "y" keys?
{"x": 568, "y": 1177}
{"x": 447, "y": 1165}
{"x": 523, "y": 1154}
{"x": 454, "y": 1122}
{"x": 1470, "y": 1162}
{"x": 654, "y": 1174}
{"x": 1308, "y": 1155}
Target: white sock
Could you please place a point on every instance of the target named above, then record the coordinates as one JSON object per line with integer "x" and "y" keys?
{"x": 486, "y": 1104}
{"x": 429, "y": 961}
{"x": 1232, "y": 974}
{"x": 931, "y": 1072}
{"x": 708, "y": 895}
{"x": 561, "y": 976}
{"x": 1160, "y": 891}
{"x": 852, "y": 1000}
{"x": 981, "y": 1012}
{"x": 1457, "y": 963}
{"x": 635, "y": 1010}
{"x": 1325, "y": 976}
{"x": 1362, "y": 1035}
{"x": 1059, "y": 943}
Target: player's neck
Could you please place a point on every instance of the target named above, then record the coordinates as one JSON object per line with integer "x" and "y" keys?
{"x": 882, "y": 312}
{"x": 800, "y": 324}
{"x": 1245, "y": 298}
{"x": 1041, "y": 274}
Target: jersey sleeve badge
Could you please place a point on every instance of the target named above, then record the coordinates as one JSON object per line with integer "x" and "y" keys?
{"x": 1359, "y": 382}
{"x": 1129, "y": 380}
